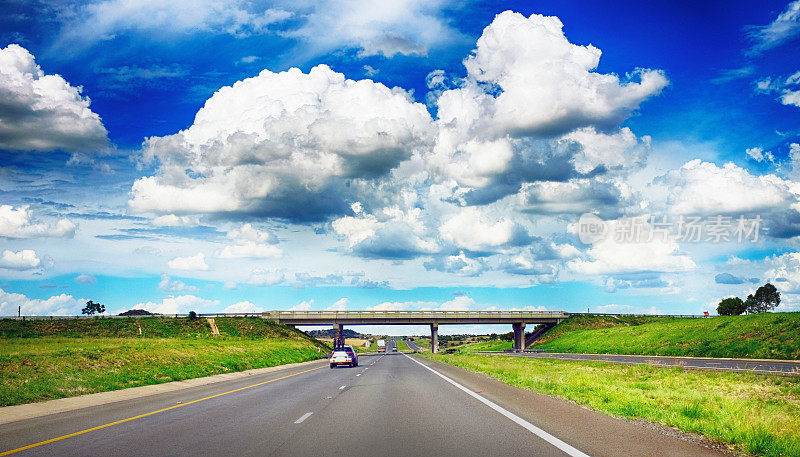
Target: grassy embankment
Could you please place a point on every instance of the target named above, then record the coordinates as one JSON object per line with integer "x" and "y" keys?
{"x": 752, "y": 413}
{"x": 46, "y": 359}
{"x": 766, "y": 336}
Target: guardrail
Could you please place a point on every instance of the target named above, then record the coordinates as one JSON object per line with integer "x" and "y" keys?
{"x": 357, "y": 314}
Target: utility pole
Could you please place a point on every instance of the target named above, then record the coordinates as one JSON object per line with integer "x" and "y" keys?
{"x": 19, "y": 311}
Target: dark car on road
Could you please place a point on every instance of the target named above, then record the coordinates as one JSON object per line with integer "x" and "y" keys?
{"x": 344, "y": 356}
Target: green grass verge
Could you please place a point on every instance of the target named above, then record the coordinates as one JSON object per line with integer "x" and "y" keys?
{"x": 423, "y": 343}
{"x": 42, "y": 360}
{"x": 488, "y": 345}
{"x": 402, "y": 346}
{"x": 766, "y": 335}
{"x": 755, "y": 414}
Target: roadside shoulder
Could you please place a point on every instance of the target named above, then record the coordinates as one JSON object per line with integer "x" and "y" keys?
{"x": 592, "y": 432}
{"x": 15, "y": 413}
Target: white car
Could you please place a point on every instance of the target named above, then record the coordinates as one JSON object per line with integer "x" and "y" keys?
{"x": 346, "y": 356}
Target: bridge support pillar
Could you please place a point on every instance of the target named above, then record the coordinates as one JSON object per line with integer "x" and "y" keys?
{"x": 519, "y": 336}
{"x": 434, "y": 338}
{"x": 338, "y": 336}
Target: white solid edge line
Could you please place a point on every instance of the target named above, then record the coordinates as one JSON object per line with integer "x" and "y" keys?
{"x": 303, "y": 417}
{"x": 566, "y": 448}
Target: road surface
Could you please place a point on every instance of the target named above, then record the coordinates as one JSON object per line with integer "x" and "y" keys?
{"x": 413, "y": 346}
{"x": 392, "y": 404}
{"x": 782, "y": 367}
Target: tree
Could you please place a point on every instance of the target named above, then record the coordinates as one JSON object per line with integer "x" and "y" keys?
{"x": 92, "y": 308}
{"x": 750, "y": 304}
{"x": 192, "y": 315}
{"x": 766, "y": 298}
{"x": 731, "y": 306}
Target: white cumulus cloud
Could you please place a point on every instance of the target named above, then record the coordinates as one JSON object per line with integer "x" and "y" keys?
{"x": 171, "y": 220}
{"x": 192, "y": 263}
{"x": 788, "y": 89}
{"x": 548, "y": 84}
{"x": 283, "y": 144}
{"x": 339, "y": 305}
{"x": 784, "y": 272}
{"x": 408, "y": 27}
{"x": 57, "y": 305}
{"x": 302, "y": 306}
{"x": 18, "y": 223}
{"x": 250, "y": 243}
{"x": 532, "y": 108}
{"x": 392, "y": 233}
{"x": 85, "y": 279}
{"x": 105, "y": 20}
{"x": 704, "y": 188}
{"x": 41, "y": 112}
{"x": 614, "y": 255}
{"x": 243, "y": 307}
{"x": 25, "y": 259}
{"x": 469, "y": 229}
{"x": 178, "y": 305}
{"x": 169, "y": 285}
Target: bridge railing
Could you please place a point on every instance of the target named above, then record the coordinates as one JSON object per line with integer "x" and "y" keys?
{"x": 409, "y": 314}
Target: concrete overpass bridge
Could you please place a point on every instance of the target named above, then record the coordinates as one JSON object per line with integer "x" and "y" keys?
{"x": 338, "y": 319}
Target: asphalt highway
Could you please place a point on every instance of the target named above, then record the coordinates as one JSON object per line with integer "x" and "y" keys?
{"x": 391, "y": 404}
{"x": 783, "y": 367}
{"x": 413, "y": 346}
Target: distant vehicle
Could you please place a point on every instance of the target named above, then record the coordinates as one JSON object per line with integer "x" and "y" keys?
{"x": 345, "y": 356}
{"x": 381, "y": 346}
{"x": 394, "y": 349}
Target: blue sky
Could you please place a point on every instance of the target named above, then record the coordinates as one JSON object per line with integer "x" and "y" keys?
{"x": 426, "y": 155}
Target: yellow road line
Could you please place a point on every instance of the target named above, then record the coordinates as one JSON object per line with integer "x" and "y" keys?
{"x": 122, "y": 421}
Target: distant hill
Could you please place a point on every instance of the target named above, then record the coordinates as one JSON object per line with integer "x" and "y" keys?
{"x": 329, "y": 334}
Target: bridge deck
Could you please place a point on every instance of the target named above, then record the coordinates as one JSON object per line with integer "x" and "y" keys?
{"x": 414, "y": 317}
